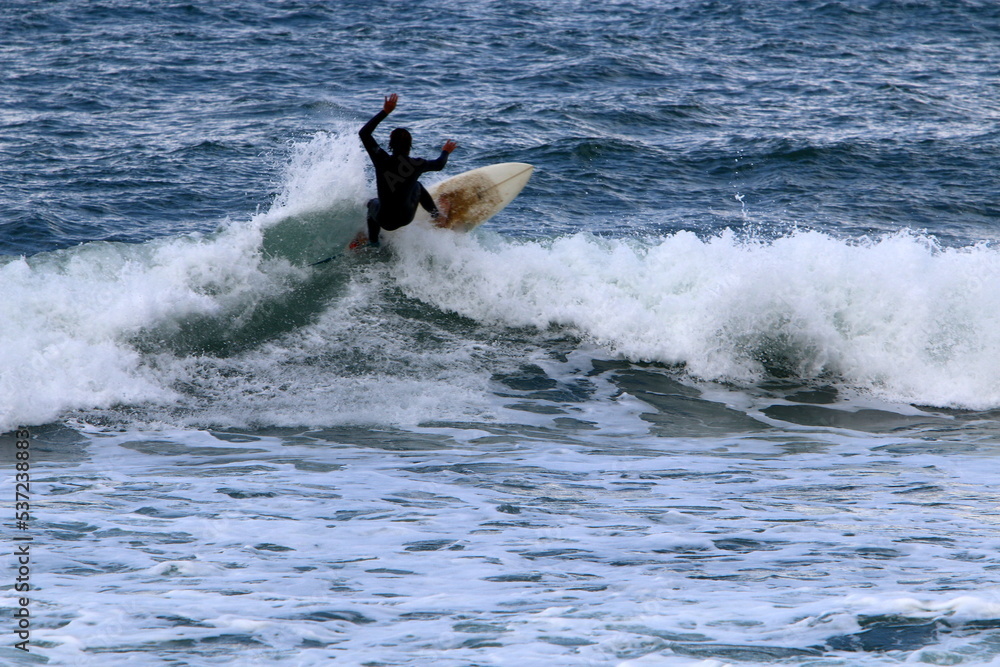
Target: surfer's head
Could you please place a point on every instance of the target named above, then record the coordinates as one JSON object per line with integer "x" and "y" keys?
{"x": 400, "y": 141}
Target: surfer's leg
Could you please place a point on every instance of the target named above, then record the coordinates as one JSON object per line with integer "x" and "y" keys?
{"x": 373, "y": 227}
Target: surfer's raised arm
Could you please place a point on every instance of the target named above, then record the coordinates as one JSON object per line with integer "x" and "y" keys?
{"x": 442, "y": 160}
{"x": 366, "y": 132}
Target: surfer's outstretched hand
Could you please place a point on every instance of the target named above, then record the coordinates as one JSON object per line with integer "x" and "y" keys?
{"x": 449, "y": 146}
{"x": 390, "y": 103}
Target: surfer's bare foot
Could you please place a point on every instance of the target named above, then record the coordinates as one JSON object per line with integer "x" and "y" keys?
{"x": 360, "y": 241}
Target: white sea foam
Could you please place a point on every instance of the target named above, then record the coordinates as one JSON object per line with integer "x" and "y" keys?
{"x": 320, "y": 550}
{"x": 72, "y": 313}
{"x": 900, "y": 315}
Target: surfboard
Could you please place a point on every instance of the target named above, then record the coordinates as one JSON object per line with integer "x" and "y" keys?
{"x": 469, "y": 199}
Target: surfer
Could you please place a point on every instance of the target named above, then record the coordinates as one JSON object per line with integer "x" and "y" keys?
{"x": 399, "y": 191}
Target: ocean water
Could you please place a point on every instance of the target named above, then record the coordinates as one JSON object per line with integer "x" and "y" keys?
{"x": 721, "y": 387}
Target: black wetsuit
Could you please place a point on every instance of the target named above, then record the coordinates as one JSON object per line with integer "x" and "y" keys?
{"x": 399, "y": 191}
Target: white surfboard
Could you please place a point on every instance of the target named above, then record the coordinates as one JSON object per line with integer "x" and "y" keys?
{"x": 471, "y": 198}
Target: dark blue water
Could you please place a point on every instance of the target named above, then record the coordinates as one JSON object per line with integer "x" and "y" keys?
{"x": 719, "y": 387}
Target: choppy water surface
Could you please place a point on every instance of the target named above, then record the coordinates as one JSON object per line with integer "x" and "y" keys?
{"x": 720, "y": 387}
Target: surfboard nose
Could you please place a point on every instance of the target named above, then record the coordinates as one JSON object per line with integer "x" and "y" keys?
{"x": 473, "y": 197}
